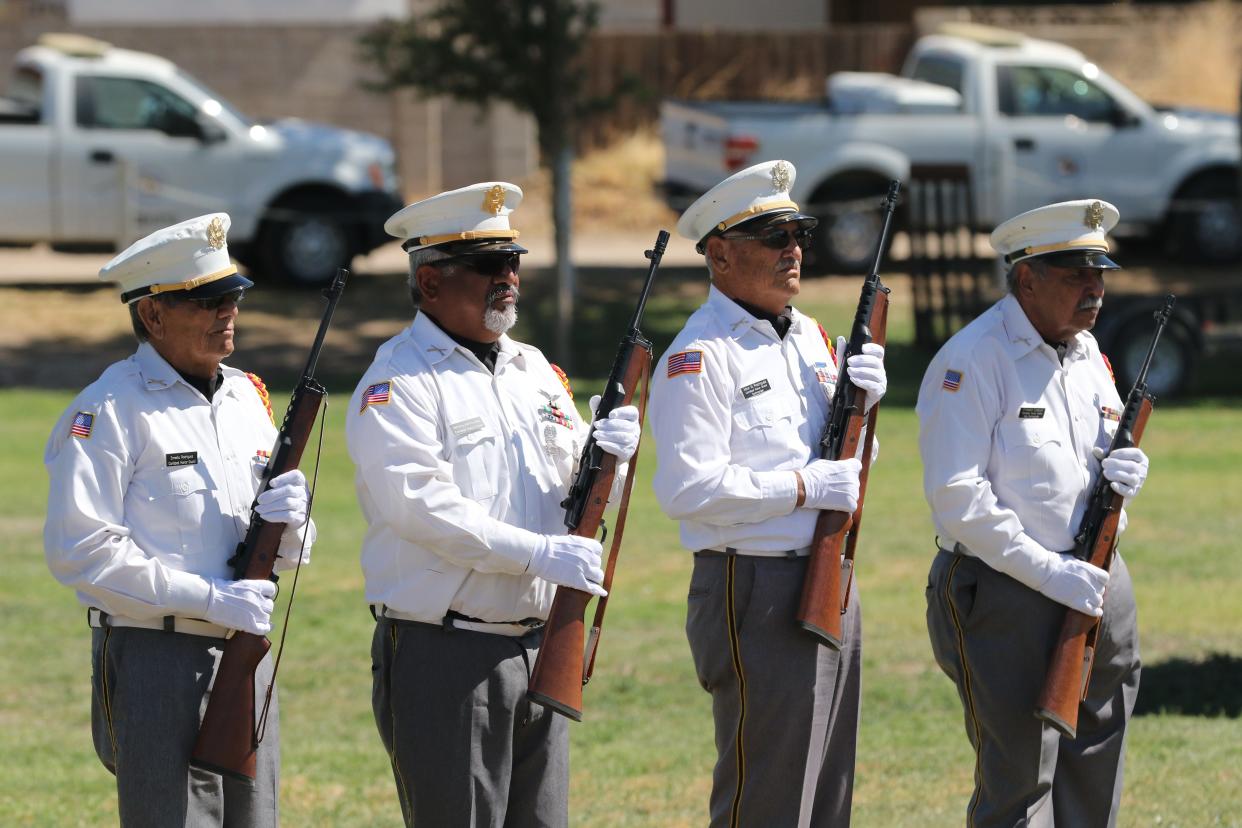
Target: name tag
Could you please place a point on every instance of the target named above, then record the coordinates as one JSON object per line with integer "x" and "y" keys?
{"x": 1030, "y": 413}
{"x": 464, "y": 427}
{"x": 756, "y": 388}
{"x": 181, "y": 458}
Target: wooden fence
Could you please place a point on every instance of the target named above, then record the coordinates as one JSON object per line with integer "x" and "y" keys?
{"x": 651, "y": 66}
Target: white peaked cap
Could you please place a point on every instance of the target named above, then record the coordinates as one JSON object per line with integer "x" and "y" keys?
{"x": 1069, "y": 233}
{"x": 758, "y": 191}
{"x": 470, "y": 219}
{"x": 192, "y": 256}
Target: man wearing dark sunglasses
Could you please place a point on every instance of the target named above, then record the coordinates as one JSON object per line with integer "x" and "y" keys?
{"x": 465, "y": 443}
{"x": 154, "y": 468}
{"x": 737, "y": 407}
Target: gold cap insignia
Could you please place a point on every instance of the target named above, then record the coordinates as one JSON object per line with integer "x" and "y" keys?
{"x": 493, "y": 200}
{"x": 1095, "y": 215}
{"x": 215, "y": 233}
{"x": 780, "y": 177}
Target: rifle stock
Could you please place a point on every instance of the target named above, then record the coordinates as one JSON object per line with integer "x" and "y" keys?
{"x": 565, "y": 660}
{"x": 227, "y": 737}
{"x": 1069, "y": 670}
{"x": 825, "y": 590}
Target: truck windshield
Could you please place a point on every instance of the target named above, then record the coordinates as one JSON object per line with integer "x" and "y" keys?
{"x": 941, "y": 71}
{"x": 1049, "y": 91}
{"x": 220, "y": 102}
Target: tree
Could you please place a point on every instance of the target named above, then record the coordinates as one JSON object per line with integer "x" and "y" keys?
{"x": 525, "y": 52}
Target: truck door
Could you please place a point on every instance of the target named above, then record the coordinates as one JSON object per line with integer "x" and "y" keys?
{"x": 1052, "y": 125}
{"x": 138, "y": 158}
{"x": 27, "y": 135}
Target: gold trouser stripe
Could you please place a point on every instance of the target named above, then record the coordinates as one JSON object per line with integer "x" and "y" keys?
{"x": 403, "y": 790}
{"x": 966, "y": 691}
{"x": 190, "y": 284}
{"x": 107, "y": 698}
{"x": 735, "y": 650}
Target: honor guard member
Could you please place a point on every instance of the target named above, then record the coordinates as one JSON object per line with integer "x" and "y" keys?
{"x": 465, "y": 443}
{"x": 154, "y": 468}
{"x": 1015, "y": 413}
{"x": 738, "y": 405}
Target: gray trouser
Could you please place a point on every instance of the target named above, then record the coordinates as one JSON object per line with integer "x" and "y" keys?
{"x": 467, "y": 748}
{"x": 994, "y": 638}
{"x": 785, "y": 705}
{"x": 149, "y": 693}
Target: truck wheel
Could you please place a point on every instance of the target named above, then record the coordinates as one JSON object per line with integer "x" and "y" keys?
{"x": 305, "y": 243}
{"x": 1207, "y": 225}
{"x": 1172, "y": 365}
{"x": 845, "y": 239}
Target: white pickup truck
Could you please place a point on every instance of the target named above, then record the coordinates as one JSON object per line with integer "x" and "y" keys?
{"x": 1031, "y": 122}
{"x": 100, "y": 146}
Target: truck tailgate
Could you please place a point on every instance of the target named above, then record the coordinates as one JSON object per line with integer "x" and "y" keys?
{"x": 704, "y": 141}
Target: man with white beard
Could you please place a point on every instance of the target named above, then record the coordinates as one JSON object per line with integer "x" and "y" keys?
{"x": 465, "y": 443}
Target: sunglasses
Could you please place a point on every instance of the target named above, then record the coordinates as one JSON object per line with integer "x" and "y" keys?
{"x": 485, "y": 264}
{"x": 775, "y": 238}
{"x": 213, "y": 302}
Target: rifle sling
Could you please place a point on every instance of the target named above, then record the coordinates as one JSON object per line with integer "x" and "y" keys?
{"x": 619, "y": 531}
{"x": 261, "y": 723}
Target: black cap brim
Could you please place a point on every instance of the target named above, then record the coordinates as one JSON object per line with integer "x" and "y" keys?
{"x": 805, "y": 222}
{"x": 475, "y": 247}
{"x": 219, "y": 287}
{"x": 1080, "y": 258}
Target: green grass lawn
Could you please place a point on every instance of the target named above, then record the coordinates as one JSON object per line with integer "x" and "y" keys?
{"x": 643, "y": 755}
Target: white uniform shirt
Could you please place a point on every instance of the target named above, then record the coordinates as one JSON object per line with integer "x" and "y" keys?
{"x": 729, "y": 434}
{"x": 458, "y": 472}
{"x": 1006, "y": 432}
{"x": 148, "y": 476}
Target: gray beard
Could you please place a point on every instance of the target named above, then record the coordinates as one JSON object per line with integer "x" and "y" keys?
{"x": 499, "y": 322}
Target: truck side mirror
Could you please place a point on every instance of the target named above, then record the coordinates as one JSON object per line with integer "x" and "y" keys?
{"x": 1123, "y": 118}
{"x": 209, "y": 130}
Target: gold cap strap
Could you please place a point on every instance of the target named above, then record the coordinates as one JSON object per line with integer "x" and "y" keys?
{"x": 190, "y": 284}
{"x": 469, "y": 235}
{"x": 1091, "y": 242}
{"x": 754, "y": 210}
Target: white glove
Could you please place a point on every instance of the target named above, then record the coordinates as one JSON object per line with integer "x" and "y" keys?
{"x": 241, "y": 605}
{"x": 1078, "y": 585}
{"x": 285, "y": 500}
{"x": 571, "y": 561}
{"x": 617, "y": 433}
{"x": 866, "y": 370}
{"x": 1125, "y": 469}
{"x": 831, "y": 485}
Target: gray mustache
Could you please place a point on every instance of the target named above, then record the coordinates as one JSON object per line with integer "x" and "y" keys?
{"x": 1091, "y": 304}
{"x": 500, "y": 292}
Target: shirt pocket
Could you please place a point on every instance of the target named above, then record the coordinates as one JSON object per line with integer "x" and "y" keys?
{"x": 188, "y": 497}
{"x": 475, "y": 464}
{"x": 1035, "y": 459}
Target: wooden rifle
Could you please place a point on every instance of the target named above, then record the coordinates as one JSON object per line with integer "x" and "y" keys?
{"x": 564, "y": 664}
{"x": 228, "y": 736}
{"x": 1069, "y": 671}
{"x": 825, "y": 590}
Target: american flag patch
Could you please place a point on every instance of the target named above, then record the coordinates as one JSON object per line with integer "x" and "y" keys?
{"x": 82, "y": 425}
{"x": 376, "y": 395}
{"x": 686, "y": 362}
{"x": 952, "y": 380}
